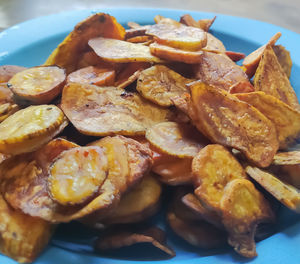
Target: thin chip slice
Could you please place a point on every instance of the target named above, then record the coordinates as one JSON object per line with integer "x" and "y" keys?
{"x": 8, "y": 71}
{"x": 283, "y": 192}
{"x": 287, "y": 158}
{"x": 252, "y": 60}
{"x": 101, "y": 111}
{"x": 204, "y": 24}
{"x": 178, "y": 36}
{"x": 136, "y": 31}
{"x": 7, "y": 109}
{"x": 114, "y": 50}
{"x": 173, "y": 54}
{"x": 93, "y": 75}
{"x": 235, "y": 56}
{"x": 228, "y": 121}
{"x": 213, "y": 168}
{"x": 241, "y": 87}
{"x": 243, "y": 207}
{"x": 284, "y": 59}
{"x": 159, "y": 84}
{"x": 38, "y": 85}
{"x": 69, "y": 52}
{"x": 214, "y": 44}
{"x": 30, "y": 128}
{"x": 271, "y": 79}
{"x": 118, "y": 239}
{"x": 139, "y": 39}
{"x": 76, "y": 175}
{"x": 285, "y": 118}
{"x": 179, "y": 140}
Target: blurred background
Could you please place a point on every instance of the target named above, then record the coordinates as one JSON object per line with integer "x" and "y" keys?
{"x": 284, "y": 13}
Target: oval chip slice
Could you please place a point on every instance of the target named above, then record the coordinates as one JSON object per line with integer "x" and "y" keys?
{"x": 100, "y": 111}
{"x": 29, "y": 128}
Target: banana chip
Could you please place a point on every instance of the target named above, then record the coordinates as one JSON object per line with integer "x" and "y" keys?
{"x": 285, "y": 118}
{"x": 159, "y": 84}
{"x": 30, "y": 128}
{"x": 68, "y": 53}
{"x": 287, "y": 158}
{"x": 101, "y": 111}
{"x": 271, "y": 79}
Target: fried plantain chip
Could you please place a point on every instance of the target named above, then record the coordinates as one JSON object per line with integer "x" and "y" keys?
{"x": 219, "y": 71}
{"x": 37, "y": 85}
{"x": 114, "y": 50}
{"x": 30, "y": 128}
{"x": 179, "y": 140}
{"x": 7, "y": 109}
{"x": 136, "y": 31}
{"x": 285, "y": 118}
{"x": 101, "y": 111}
{"x": 8, "y": 71}
{"x": 68, "y": 53}
{"x": 287, "y": 158}
{"x": 204, "y": 24}
{"x": 23, "y": 237}
{"x": 138, "y": 204}
{"x": 213, "y": 168}
{"x": 159, "y": 84}
{"x": 93, "y": 75}
{"x": 118, "y": 239}
{"x": 228, "y": 121}
{"x": 251, "y": 62}
{"x": 283, "y": 192}
{"x": 243, "y": 207}
{"x": 271, "y": 79}
{"x": 76, "y": 175}
{"x": 284, "y": 59}
{"x": 178, "y": 36}
{"x": 214, "y": 44}
{"x": 140, "y": 39}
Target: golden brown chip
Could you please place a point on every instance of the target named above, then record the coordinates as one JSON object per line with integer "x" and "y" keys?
{"x": 139, "y": 39}
{"x": 118, "y": 239}
{"x": 241, "y": 87}
{"x": 204, "y": 24}
{"x": 284, "y": 58}
{"x": 228, "y": 121}
{"x": 8, "y": 71}
{"x": 252, "y": 60}
{"x": 178, "y": 36}
{"x": 38, "y": 85}
{"x": 93, "y": 75}
{"x": 68, "y": 53}
{"x": 173, "y": 54}
{"x": 179, "y": 140}
{"x": 287, "y": 158}
{"x": 101, "y": 111}
{"x": 219, "y": 71}
{"x": 283, "y": 192}
{"x": 7, "y": 109}
{"x": 213, "y": 168}
{"x": 243, "y": 207}
{"x": 271, "y": 79}
{"x": 114, "y": 50}
{"x": 23, "y": 237}
{"x": 136, "y": 30}
{"x": 30, "y": 128}
{"x": 159, "y": 84}
{"x": 214, "y": 44}
{"x": 285, "y": 118}
{"x": 235, "y": 56}
{"x": 6, "y": 95}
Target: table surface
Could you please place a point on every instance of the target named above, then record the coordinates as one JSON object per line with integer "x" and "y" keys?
{"x": 284, "y": 13}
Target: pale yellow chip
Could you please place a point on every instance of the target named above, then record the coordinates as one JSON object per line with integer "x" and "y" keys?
{"x": 287, "y": 158}
{"x": 29, "y": 128}
{"x": 114, "y": 50}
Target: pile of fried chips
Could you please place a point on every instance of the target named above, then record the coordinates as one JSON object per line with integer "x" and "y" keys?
{"x": 114, "y": 116}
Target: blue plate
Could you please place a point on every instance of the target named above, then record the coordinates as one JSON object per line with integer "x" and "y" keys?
{"x": 30, "y": 43}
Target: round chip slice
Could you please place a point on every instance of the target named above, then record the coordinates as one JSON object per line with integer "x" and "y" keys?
{"x": 29, "y": 128}
{"x": 77, "y": 174}
{"x": 180, "y": 140}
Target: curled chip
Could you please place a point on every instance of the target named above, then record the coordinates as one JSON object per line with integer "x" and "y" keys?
{"x": 101, "y": 111}
{"x": 178, "y": 36}
{"x": 114, "y": 50}
{"x": 76, "y": 175}
{"x": 119, "y": 238}
{"x": 30, "y": 128}
{"x": 283, "y": 192}
{"x": 228, "y": 121}
{"x": 204, "y": 24}
{"x": 213, "y": 168}
{"x": 93, "y": 75}
{"x": 284, "y": 59}
{"x": 23, "y": 237}
{"x": 179, "y": 140}
{"x": 243, "y": 207}
{"x": 285, "y": 118}
{"x": 38, "y": 85}
{"x": 8, "y": 71}
{"x": 219, "y": 71}
{"x": 271, "y": 79}
{"x": 174, "y": 54}
{"x": 138, "y": 204}
{"x": 69, "y": 52}
{"x": 159, "y": 84}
